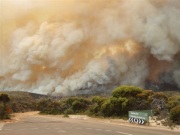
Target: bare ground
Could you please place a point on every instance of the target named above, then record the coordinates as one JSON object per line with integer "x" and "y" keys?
{"x": 19, "y": 116}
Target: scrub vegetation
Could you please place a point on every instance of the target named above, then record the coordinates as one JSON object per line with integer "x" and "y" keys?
{"x": 165, "y": 105}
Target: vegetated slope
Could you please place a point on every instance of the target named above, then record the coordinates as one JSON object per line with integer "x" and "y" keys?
{"x": 23, "y": 101}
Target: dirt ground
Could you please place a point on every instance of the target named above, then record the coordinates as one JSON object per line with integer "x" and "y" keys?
{"x": 18, "y": 116}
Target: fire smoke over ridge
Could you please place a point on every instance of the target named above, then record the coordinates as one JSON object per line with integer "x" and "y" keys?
{"x": 71, "y": 46}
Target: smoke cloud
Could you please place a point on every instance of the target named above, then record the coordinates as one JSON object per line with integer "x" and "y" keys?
{"x": 67, "y": 47}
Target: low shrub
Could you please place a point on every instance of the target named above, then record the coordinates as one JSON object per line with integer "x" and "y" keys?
{"x": 175, "y": 114}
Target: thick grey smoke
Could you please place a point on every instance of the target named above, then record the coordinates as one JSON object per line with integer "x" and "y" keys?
{"x": 68, "y": 47}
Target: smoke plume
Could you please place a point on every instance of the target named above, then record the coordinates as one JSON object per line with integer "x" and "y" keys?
{"x": 66, "y": 47}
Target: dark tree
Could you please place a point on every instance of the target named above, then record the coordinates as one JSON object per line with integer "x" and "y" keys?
{"x": 4, "y": 98}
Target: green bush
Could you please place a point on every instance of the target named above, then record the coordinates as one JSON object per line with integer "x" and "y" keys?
{"x": 43, "y": 104}
{"x": 173, "y": 101}
{"x": 95, "y": 107}
{"x": 99, "y": 100}
{"x": 68, "y": 106}
{"x": 49, "y": 106}
{"x": 69, "y": 111}
{"x": 126, "y": 91}
{"x": 78, "y": 106}
{"x": 138, "y": 99}
{"x": 107, "y": 108}
{"x": 175, "y": 114}
{"x": 94, "y": 110}
{"x": 114, "y": 106}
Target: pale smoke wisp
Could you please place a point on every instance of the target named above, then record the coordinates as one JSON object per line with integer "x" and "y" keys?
{"x": 68, "y": 47}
